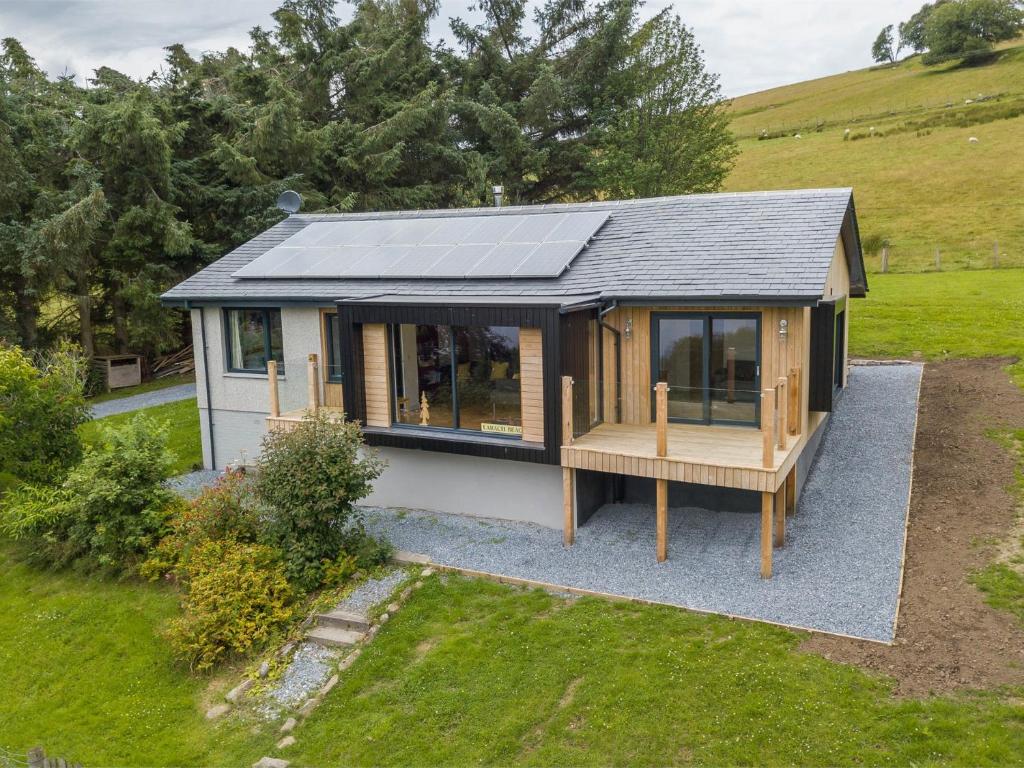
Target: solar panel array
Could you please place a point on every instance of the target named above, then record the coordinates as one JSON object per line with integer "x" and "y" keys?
{"x": 501, "y": 245}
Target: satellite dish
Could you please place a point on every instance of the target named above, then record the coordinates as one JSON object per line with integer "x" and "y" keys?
{"x": 289, "y": 201}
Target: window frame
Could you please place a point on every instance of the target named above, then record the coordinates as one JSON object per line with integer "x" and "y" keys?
{"x": 267, "y": 349}
{"x": 330, "y": 318}
{"x": 456, "y": 429}
{"x": 706, "y": 318}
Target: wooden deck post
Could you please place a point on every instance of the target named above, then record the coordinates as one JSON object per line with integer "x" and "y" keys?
{"x": 783, "y": 409}
{"x": 780, "y": 516}
{"x": 661, "y": 485}
{"x": 568, "y": 510}
{"x": 275, "y": 401}
{"x": 791, "y": 491}
{"x": 567, "y": 436}
{"x": 661, "y": 416}
{"x": 568, "y": 473}
{"x": 768, "y": 427}
{"x": 314, "y": 383}
{"x": 661, "y": 508}
{"x": 794, "y": 401}
{"x": 767, "y": 502}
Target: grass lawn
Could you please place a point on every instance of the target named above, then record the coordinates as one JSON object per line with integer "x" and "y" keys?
{"x": 147, "y": 386}
{"x": 182, "y": 419}
{"x": 87, "y": 676}
{"x": 1003, "y": 581}
{"x": 473, "y": 672}
{"x": 940, "y": 315}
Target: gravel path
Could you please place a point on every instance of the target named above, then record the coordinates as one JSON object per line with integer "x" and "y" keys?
{"x": 309, "y": 669}
{"x": 839, "y": 571}
{"x": 371, "y": 592}
{"x": 143, "y": 400}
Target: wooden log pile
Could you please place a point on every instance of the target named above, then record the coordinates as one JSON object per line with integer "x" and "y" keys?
{"x": 174, "y": 364}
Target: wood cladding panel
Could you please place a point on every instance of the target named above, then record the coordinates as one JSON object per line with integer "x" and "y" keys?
{"x": 375, "y": 375}
{"x": 778, "y": 355}
{"x": 531, "y": 383}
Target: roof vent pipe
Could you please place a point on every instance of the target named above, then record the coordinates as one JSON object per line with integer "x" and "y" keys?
{"x": 498, "y": 191}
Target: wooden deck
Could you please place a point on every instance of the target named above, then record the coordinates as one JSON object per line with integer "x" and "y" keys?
{"x": 730, "y": 457}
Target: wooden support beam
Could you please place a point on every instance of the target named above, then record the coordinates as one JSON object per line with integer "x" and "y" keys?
{"x": 794, "y": 401}
{"x": 567, "y": 436}
{"x": 782, "y": 408}
{"x": 568, "y": 507}
{"x": 791, "y": 491}
{"x": 661, "y": 417}
{"x": 275, "y": 400}
{"x": 661, "y": 487}
{"x": 768, "y": 428}
{"x": 767, "y": 502}
{"x": 780, "y": 516}
{"x": 314, "y": 383}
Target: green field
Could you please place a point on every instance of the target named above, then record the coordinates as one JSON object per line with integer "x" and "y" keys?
{"x": 936, "y": 316}
{"x": 920, "y": 189}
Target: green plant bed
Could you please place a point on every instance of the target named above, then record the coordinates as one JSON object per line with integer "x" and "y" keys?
{"x": 941, "y": 315}
{"x": 146, "y": 386}
{"x": 182, "y": 419}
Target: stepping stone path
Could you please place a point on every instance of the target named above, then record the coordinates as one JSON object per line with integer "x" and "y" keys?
{"x": 347, "y": 625}
{"x": 349, "y": 622}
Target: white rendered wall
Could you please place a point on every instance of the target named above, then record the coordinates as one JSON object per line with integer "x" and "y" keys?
{"x": 240, "y": 402}
{"x": 469, "y": 485}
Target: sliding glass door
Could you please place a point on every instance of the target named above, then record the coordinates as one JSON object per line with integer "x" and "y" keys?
{"x": 711, "y": 362}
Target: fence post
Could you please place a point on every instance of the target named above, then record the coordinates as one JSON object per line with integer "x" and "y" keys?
{"x": 995, "y": 255}
{"x": 938, "y": 260}
{"x": 794, "y": 401}
{"x": 314, "y": 383}
{"x": 782, "y": 407}
{"x": 767, "y": 428}
{"x": 885, "y": 257}
{"x": 661, "y": 484}
{"x": 567, "y": 436}
{"x": 275, "y": 402}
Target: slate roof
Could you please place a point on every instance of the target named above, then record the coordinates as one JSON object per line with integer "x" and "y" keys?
{"x": 765, "y": 246}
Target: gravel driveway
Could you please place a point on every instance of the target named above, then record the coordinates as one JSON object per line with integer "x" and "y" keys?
{"x": 144, "y": 400}
{"x": 839, "y": 571}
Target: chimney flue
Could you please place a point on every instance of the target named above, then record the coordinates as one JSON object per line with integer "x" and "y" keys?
{"x": 498, "y": 191}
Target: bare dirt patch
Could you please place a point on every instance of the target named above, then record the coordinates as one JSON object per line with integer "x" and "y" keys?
{"x": 960, "y": 510}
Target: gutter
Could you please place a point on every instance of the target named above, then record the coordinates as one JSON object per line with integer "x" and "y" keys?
{"x": 206, "y": 382}
{"x": 618, "y": 356}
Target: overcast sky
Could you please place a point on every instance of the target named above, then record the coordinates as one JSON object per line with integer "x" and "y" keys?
{"x": 752, "y": 44}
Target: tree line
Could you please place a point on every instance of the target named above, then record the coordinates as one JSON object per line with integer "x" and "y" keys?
{"x": 951, "y": 29}
{"x": 116, "y": 189}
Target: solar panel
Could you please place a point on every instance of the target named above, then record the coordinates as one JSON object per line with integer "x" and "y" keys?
{"x": 496, "y": 245}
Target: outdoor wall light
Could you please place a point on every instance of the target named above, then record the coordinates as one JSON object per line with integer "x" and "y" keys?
{"x": 628, "y": 330}
{"x": 783, "y": 329}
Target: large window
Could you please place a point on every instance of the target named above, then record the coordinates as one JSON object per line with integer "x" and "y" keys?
{"x": 253, "y": 338}
{"x": 711, "y": 363}
{"x": 457, "y": 377}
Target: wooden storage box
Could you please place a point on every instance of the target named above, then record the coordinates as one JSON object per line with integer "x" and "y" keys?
{"x": 119, "y": 370}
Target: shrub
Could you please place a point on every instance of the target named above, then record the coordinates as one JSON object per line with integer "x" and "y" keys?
{"x": 40, "y": 410}
{"x": 225, "y": 511}
{"x": 237, "y": 596}
{"x": 310, "y": 478}
{"x": 112, "y": 508}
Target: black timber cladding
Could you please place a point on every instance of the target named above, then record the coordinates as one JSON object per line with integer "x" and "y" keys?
{"x": 353, "y": 315}
{"x": 576, "y": 363}
{"x": 823, "y": 329}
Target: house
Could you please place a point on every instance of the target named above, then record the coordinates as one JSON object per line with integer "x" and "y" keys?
{"x": 535, "y": 363}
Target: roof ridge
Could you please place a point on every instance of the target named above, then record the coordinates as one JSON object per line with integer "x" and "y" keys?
{"x": 558, "y": 207}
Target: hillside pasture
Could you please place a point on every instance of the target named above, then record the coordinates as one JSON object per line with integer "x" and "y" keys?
{"x": 919, "y": 181}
